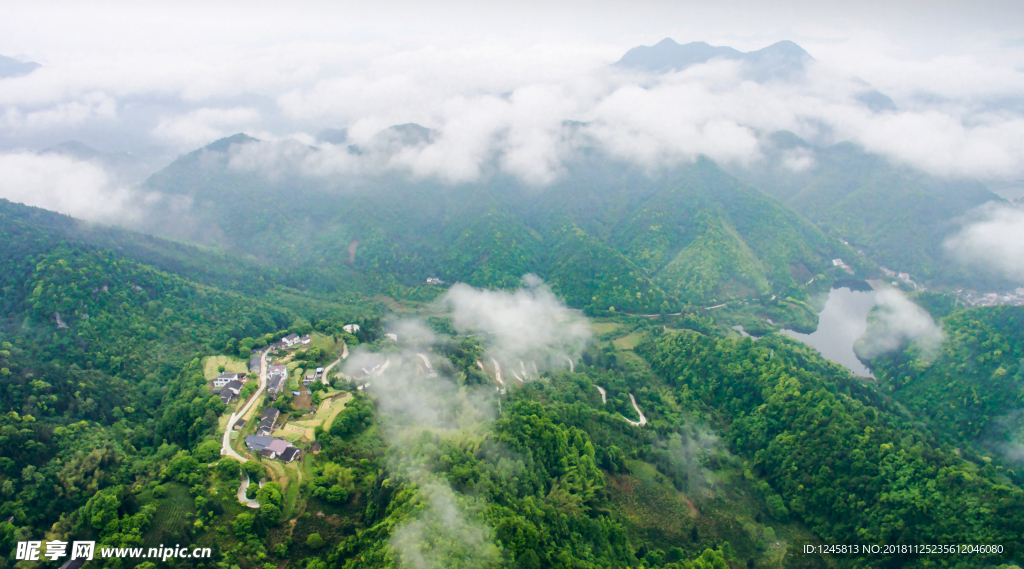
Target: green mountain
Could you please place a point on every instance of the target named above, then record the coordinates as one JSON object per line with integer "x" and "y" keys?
{"x": 899, "y": 216}
{"x": 748, "y": 450}
{"x": 606, "y": 235}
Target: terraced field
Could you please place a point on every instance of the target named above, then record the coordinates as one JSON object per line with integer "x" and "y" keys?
{"x": 172, "y": 517}
{"x": 325, "y": 413}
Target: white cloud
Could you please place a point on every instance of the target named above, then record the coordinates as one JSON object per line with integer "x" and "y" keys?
{"x": 530, "y": 324}
{"x": 499, "y": 93}
{"x": 897, "y": 321}
{"x": 59, "y": 183}
{"x": 202, "y": 126}
{"x": 993, "y": 239}
{"x": 94, "y": 106}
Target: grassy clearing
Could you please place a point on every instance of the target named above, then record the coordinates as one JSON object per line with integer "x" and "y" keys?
{"x": 602, "y": 328}
{"x": 277, "y": 472}
{"x": 628, "y": 342}
{"x": 325, "y": 343}
{"x": 173, "y": 517}
{"x": 291, "y": 493}
{"x": 231, "y": 365}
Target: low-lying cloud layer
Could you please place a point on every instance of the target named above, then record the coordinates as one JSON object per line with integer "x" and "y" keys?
{"x": 59, "y": 183}
{"x": 897, "y": 321}
{"x": 531, "y": 324}
{"x": 524, "y": 104}
{"x": 992, "y": 240}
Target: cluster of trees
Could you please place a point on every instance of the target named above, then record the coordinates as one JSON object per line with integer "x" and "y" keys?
{"x": 849, "y": 466}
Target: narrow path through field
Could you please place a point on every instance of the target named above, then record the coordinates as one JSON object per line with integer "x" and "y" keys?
{"x": 642, "y": 421}
{"x": 604, "y": 396}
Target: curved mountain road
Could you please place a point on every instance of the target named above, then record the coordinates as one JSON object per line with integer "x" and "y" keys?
{"x": 241, "y": 493}
{"x": 642, "y": 421}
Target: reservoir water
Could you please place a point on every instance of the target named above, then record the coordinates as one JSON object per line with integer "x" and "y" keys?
{"x": 843, "y": 320}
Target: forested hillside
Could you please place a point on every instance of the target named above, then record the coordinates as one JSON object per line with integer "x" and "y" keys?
{"x": 847, "y": 464}
{"x": 899, "y": 216}
{"x": 972, "y": 388}
{"x": 606, "y": 235}
{"x": 666, "y": 446}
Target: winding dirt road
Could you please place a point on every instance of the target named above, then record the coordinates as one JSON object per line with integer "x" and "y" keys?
{"x": 604, "y": 396}
{"x": 497, "y": 372}
{"x": 642, "y": 421}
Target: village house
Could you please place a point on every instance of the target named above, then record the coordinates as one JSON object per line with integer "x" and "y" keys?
{"x": 309, "y": 379}
{"x": 277, "y": 376}
{"x": 351, "y": 328}
{"x": 225, "y": 395}
{"x": 290, "y": 340}
{"x": 273, "y": 448}
{"x": 306, "y": 339}
{"x": 223, "y": 379}
{"x": 291, "y": 453}
{"x": 267, "y": 420}
{"x": 239, "y": 424}
{"x": 255, "y": 364}
{"x": 229, "y": 391}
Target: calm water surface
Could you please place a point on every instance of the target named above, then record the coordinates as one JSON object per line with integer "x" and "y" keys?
{"x": 844, "y": 319}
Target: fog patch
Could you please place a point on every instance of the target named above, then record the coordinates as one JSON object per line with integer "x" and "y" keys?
{"x": 441, "y": 533}
{"x": 897, "y": 321}
{"x": 798, "y": 159}
{"x": 204, "y": 125}
{"x": 413, "y": 406}
{"x": 992, "y": 240}
{"x": 79, "y": 188}
{"x": 690, "y": 458}
{"x": 531, "y": 324}
{"x": 420, "y": 405}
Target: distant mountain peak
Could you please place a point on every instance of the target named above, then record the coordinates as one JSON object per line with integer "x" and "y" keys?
{"x": 781, "y": 60}
{"x": 223, "y": 144}
{"x": 10, "y": 67}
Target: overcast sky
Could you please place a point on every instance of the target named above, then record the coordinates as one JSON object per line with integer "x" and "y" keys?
{"x": 498, "y": 78}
